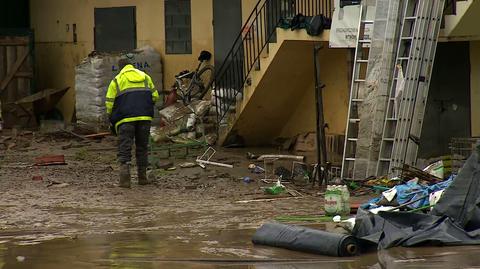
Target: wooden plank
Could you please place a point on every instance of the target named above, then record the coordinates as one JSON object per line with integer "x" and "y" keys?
{"x": 14, "y": 69}
{"x": 14, "y": 41}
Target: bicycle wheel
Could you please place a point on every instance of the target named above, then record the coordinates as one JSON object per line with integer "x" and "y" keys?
{"x": 202, "y": 83}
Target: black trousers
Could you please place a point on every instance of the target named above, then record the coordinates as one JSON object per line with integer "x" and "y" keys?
{"x": 138, "y": 131}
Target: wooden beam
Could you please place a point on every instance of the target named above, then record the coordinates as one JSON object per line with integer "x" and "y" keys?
{"x": 14, "y": 70}
{"x": 12, "y": 43}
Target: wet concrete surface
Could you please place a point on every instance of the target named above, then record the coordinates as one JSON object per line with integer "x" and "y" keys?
{"x": 219, "y": 249}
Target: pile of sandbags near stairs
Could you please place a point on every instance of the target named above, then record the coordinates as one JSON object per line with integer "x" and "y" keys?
{"x": 94, "y": 74}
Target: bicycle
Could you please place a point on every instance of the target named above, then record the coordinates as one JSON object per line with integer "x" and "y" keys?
{"x": 194, "y": 85}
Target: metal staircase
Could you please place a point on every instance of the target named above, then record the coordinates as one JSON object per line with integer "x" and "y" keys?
{"x": 252, "y": 42}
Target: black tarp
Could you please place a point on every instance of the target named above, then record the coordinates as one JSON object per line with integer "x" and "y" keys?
{"x": 455, "y": 219}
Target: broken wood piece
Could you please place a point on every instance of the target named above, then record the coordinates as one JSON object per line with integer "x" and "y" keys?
{"x": 74, "y": 134}
{"x": 50, "y": 160}
{"x": 285, "y": 157}
{"x": 203, "y": 162}
{"x": 98, "y": 135}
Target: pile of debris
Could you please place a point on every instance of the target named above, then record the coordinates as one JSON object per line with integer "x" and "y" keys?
{"x": 185, "y": 124}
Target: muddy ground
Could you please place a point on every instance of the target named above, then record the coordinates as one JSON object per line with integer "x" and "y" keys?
{"x": 76, "y": 217}
{"x": 81, "y": 197}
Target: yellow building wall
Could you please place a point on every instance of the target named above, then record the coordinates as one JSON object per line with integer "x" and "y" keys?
{"x": 475, "y": 87}
{"x": 56, "y": 55}
{"x": 334, "y": 69}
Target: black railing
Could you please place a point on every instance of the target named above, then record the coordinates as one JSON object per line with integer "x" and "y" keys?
{"x": 258, "y": 30}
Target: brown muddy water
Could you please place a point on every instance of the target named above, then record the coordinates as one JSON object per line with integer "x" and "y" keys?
{"x": 214, "y": 249}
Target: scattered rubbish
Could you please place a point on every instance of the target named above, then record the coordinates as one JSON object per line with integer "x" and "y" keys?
{"x": 266, "y": 200}
{"x": 50, "y": 160}
{"x": 275, "y": 189}
{"x": 20, "y": 258}
{"x": 37, "y": 178}
{"x": 453, "y": 220}
{"x": 187, "y": 165}
{"x": 337, "y": 200}
{"x": 61, "y": 185}
{"x": 306, "y": 239}
{"x": 303, "y": 218}
{"x": 97, "y": 135}
{"x": 74, "y": 134}
{"x": 306, "y": 142}
{"x": 163, "y": 164}
{"x": 247, "y": 179}
{"x": 206, "y": 156}
{"x": 55, "y": 183}
{"x": 251, "y": 156}
{"x": 433, "y": 177}
{"x": 337, "y": 218}
{"x": 171, "y": 168}
{"x": 283, "y": 157}
{"x": 283, "y": 172}
{"x": 256, "y": 169}
{"x": 412, "y": 195}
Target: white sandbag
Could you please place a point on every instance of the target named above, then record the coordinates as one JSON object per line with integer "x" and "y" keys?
{"x": 94, "y": 74}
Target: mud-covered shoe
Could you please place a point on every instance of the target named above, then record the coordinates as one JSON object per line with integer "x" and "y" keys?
{"x": 142, "y": 175}
{"x": 124, "y": 181}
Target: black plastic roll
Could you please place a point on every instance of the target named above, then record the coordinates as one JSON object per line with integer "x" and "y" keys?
{"x": 305, "y": 239}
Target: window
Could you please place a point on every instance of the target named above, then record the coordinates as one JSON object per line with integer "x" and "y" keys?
{"x": 115, "y": 29}
{"x": 178, "y": 27}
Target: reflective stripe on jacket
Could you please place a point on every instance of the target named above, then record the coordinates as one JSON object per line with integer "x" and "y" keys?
{"x": 130, "y": 97}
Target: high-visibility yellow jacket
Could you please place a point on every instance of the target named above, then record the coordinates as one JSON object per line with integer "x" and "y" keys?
{"x": 130, "y": 97}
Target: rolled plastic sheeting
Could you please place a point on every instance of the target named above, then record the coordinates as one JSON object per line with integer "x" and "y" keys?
{"x": 305, "y": 239}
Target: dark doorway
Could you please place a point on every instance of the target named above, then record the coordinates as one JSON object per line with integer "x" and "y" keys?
{"x": 227, "y": 23}
{"x": 15, "y": 14}
{"x": 115, "y": 29}
{"x": 448, "y": 105}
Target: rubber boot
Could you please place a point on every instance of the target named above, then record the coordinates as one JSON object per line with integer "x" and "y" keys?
{"x": 124, "y": 176}
{"x": 142, "y": 175}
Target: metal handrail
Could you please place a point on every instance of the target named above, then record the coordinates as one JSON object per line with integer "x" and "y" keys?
{"x": 258, "y": 30}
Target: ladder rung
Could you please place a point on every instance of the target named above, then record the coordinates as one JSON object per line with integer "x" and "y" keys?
{"x": 365, "y": 41}
{"x": 406, "y": 37}
{"x": 352, "y": 139}
{"x": 391, "y": 99}
{"x": 367, "y": 21}
{"x": 384, "y": 160}
{"x": 389, "y": 139}
{"x": 391, "y": 119}
{"x": 350, "y": 159}
{"x": 410, "y": 18}
{"x": 354, "y": 120}
{"x": 403, "y": 58}
{"x": 362, "y": 61}
{"x": 357, "y": 100}
{"x": 359, "y": 80}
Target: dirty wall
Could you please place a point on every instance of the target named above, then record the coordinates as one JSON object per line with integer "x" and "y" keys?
{"x": 57, "y": 55}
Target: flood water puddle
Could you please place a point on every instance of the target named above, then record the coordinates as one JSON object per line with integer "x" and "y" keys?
{"x": 211, "y": 249}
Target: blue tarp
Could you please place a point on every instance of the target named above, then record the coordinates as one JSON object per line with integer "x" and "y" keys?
{"x": 412, "y": 191}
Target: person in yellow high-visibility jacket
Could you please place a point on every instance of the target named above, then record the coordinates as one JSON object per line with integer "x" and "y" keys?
{"x": 130, "y": 102}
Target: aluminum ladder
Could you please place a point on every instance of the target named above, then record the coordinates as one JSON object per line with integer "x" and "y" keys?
{"x": 358, "y": 77}
{"x": 411, "y": 78}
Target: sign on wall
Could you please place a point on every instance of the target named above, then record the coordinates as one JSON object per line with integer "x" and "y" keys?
{"x": 343, "y": 33}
